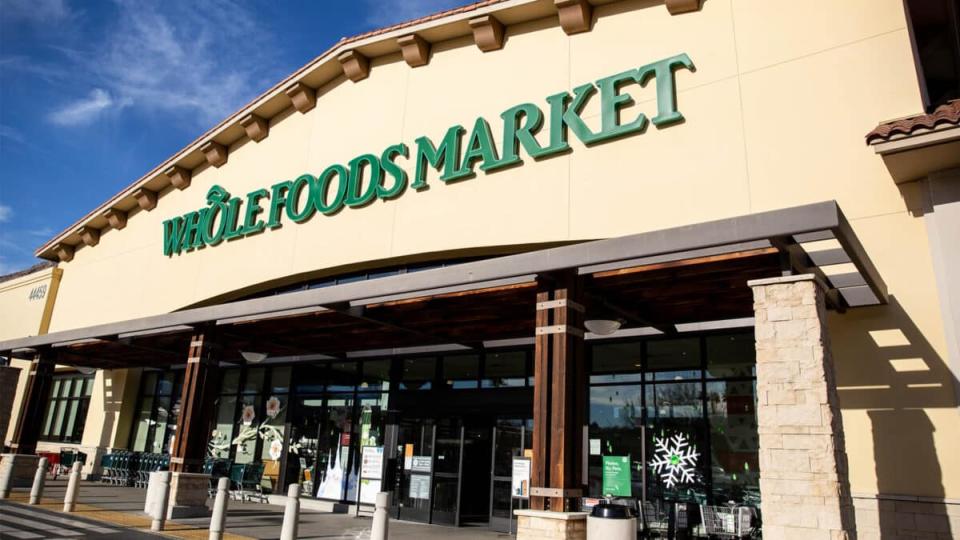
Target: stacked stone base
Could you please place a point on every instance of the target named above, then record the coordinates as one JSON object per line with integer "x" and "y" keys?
{"x": 188, "y": 495}
{"x": 540, "y": 525}
{"x": 893, "y": 516}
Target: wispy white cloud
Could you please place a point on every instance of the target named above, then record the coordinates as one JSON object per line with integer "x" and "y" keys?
{"x": 198, "y": 60}
{"x": 5, "y": 213}
{"x": 36, "y": 11}
{"x": 8, "y": 132}
{"x": 203, "y": 59}
{"x": 387, "y": 12}
{"x": 87, "y": 109}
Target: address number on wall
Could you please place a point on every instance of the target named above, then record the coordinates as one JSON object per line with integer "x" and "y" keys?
{"x": 38, "y": 293}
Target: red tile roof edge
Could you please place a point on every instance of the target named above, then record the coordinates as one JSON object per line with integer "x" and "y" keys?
{"x": 948, "y": 113}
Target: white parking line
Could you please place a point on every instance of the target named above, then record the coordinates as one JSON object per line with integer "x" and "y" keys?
{"x": 57, "y": 519}
{"x": 17, "y": 533}
{"x": 39, "y": 526}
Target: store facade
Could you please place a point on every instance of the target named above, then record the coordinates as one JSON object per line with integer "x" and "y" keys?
{"x": 641, "y": 244}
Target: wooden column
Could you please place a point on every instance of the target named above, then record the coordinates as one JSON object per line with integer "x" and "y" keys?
{"x": 200, "y": 387}
{"x": 559, "y": 395}
{"x": 35, "y": 398}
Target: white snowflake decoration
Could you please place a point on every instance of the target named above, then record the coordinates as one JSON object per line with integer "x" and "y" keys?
{"x": 674, "y": 460}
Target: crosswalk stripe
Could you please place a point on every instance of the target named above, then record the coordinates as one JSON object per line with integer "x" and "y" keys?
{"x": 17, "y": 533}
{"x": 57, "y": 519}
{"x": 39, "y": 525}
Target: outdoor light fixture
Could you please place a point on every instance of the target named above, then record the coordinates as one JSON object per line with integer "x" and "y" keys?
{"x": 87, "y": 370}
{"x": 253, "y": 357}
{"x": 602, "y": 327}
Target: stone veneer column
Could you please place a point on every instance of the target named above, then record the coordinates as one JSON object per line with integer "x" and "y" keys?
{"x": 804, "y": 483}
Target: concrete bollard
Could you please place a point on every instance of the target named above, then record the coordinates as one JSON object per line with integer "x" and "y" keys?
{"x": 36, "y": 492}
{"x": 160, "y": 516}
{"x": 381, "y": 520}
{"x": 291, "y": 515}
{"x": 73, "y": 488}
{"x": 219, "y": 518}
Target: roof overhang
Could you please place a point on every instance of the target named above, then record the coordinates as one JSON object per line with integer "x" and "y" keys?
{"x": 793, "y": 232}
{"x": 915, "y": 156}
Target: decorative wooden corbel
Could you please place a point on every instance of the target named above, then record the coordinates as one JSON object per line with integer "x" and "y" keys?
{"x": 415, "y": 50}
{"x": 257, "y": 128}
{"x": 89, "y": 235}
{"x": 487, "y": 33}
{"x": 179, "y": 176}
{"x": 303, "y": 97}
{"x": 215, "y": 152}
{"x": 576, "y": 16}
{"x": 147, "y": 199}
{"x": 676, "y": 7}
{"x": 116, "y": 218}
{"x": 64, "y": 252}
{"x": 355, "y": 65}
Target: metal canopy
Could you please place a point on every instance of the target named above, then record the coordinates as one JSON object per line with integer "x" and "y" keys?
{"x": 786, "y": 230}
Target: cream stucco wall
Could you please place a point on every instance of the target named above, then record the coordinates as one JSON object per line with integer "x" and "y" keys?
{"x": 775, "y": 117}
{"x": 21, "y": 315}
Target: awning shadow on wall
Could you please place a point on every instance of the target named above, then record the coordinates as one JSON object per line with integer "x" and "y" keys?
{"x": 886, "y": 366}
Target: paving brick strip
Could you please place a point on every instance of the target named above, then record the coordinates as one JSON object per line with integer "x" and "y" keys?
{"x": 172, "y": 529}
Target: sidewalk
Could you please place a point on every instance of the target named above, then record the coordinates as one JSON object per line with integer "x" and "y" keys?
{"x": 123, "y": 506}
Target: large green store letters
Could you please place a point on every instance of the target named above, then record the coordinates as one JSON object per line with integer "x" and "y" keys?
{"x": 370, "y": 176}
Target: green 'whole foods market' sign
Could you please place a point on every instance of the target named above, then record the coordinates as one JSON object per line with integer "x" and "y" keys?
{"x": 368, "y": 176}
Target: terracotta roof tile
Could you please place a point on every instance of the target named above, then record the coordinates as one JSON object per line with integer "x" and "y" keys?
{"x": 948, "y": 113}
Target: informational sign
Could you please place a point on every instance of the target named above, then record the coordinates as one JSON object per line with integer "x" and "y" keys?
{"x": 371, "y": 467}
{"x": 616, "y": 476}
{"x": 368, "y": 490}
{"x": 520, "y": 485}
{"x": 421, "y": 464}
{"x": 407, "y": 456}
{"x": 419, "y": 486}
{"x": 371, "y": 462}
{"x": 594, "y": 447}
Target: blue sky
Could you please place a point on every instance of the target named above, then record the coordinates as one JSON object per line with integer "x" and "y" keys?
{"x": 94, "y": 93}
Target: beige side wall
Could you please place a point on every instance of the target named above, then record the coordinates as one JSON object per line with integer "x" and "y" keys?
{"x": 22, "y": 316}
{"x": 775, "y": 117}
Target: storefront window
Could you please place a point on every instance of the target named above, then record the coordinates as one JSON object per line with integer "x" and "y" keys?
{"x": 66, "y": 412}
{"x": 462, "y": 371}
{"x": 617, "y": 363}
{"x": 418, "y": 373}
{"x": 653, "y": 400}
{"x": 159, "y": 407}
{"x": 504, "y": 369}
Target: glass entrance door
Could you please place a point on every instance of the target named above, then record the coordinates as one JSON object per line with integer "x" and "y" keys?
{"x": 510, "y": 438}
{"x": 413, "y": 486}
{"x": 447, "y": 468}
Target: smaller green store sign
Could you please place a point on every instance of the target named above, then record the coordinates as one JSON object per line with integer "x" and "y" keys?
{"x": 386, "y": 175}
{"x": 616, "y": 476}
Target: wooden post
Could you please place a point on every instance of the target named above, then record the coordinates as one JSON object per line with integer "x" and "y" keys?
{"x": 196, "y": 405}
{"x": 559, "y": 395}
{"x": 35, "y": 399}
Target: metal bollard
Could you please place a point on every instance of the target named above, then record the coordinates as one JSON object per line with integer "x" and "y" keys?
{"x": 161, "y": 509}
{"x": 291, "y": 515}
{"x": 381, "y": 520}
{"x": 219, "y": 517}
{"x": 36, "y": 492}
{"x": 73, "y": 487}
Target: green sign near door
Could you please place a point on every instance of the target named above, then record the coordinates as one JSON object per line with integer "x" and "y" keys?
{"x": 616, "y": 476}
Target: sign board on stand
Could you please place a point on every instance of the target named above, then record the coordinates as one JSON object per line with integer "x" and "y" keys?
{"x": 616, "y": 476}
